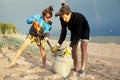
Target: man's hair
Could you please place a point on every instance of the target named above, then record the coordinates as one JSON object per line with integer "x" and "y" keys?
{"x": 65, "y": 9}
{"x": 48, "y": 10}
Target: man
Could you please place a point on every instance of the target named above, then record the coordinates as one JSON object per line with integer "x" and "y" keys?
{"x": 79, "y": 28}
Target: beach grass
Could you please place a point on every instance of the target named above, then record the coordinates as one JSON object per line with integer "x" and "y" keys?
{"x": 14, "y": 41}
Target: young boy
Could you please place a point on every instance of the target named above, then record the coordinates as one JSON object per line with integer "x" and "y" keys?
{"x": 39, "y": 33}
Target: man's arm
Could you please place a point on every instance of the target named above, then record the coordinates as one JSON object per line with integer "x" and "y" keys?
{"x": 63, "y": 32}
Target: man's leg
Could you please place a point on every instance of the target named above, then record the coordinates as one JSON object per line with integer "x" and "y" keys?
{"x": 84, "y": 55}
{"x": 19, "y": 52}
{"x": 75, "y": 56}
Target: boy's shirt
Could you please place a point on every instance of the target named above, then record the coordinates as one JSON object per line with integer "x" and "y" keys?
{"x": 45, "y": 25}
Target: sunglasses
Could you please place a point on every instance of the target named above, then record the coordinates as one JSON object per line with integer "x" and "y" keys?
{"x": 48, "y": 17}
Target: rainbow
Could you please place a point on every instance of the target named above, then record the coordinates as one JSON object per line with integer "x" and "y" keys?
{"x": 96, "y": 12}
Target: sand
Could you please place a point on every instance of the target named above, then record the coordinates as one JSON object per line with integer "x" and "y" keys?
{"x": 103, "y": 64}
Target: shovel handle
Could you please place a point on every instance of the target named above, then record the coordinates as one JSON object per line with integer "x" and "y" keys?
{"x": 48, "y": 42}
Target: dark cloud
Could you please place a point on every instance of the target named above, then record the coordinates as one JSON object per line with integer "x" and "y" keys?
{"x": 101, "y": 14}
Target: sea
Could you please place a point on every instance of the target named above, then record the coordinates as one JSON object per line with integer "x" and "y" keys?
{"x": 96, "y": 39}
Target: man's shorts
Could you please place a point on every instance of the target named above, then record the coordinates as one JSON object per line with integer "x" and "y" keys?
{"x": 85, "y": 36}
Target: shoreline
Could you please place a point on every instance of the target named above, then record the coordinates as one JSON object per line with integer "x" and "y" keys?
{"x": 96, "y": 39}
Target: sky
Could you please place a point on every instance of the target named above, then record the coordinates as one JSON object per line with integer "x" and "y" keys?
{"x": 102, "y": 15}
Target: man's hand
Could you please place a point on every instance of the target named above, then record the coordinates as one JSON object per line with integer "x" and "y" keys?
{"x": 64, "y": 52}
{"x": 55, "y": 48}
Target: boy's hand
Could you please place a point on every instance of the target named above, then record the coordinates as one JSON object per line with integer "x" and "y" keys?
{"x": 46, "y": 38}
{"x": 36, "y": 25}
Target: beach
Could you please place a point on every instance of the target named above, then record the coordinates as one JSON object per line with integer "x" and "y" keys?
{"x": 103, "y": 63}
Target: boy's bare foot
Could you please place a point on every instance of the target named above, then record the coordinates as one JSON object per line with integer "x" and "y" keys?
{"x": 12, "y": 64}
{"x": 43, "y": 67}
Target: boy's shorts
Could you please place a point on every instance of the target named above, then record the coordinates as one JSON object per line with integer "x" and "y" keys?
{"x": 38, "y": 40}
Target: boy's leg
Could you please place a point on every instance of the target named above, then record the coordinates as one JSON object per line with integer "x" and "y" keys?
{"x": 42, "y": 52}
{"x": 19, "y": 52}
